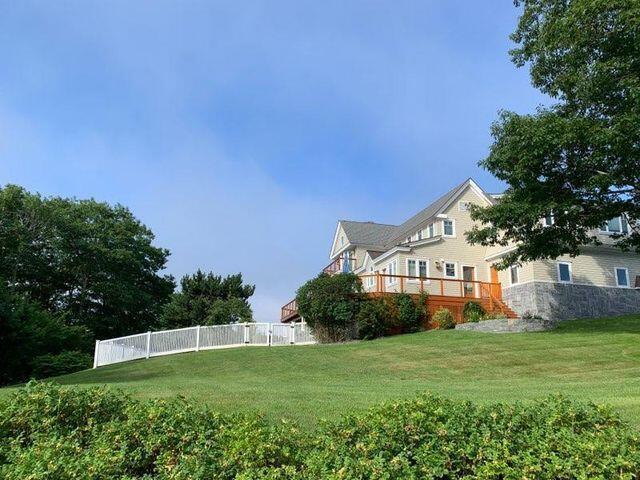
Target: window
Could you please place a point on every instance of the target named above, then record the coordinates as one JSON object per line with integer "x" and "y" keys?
{"x": 622, "y": 277}
{"x": 514, "y": 274}
{"x": 615, "y": 225}
{"x": 370, "y": 279}
{"x": 431, "y": 232}
{"x": 423, "y": 268}
{"x": 411, "y": 267}
{"x": 392, "y": 269}
{"x": 548, "y": 220}
{"x": 448, "y": 229}
{"x": 417, "y": 268}
{"x": 408, "y": 239}
{"x": 450, "y": 270}
{"x": 463, "y": 206}
{"x": 342, "y": 240}
{"x": 419, "y": 234}
{"x": 564, "y": 272}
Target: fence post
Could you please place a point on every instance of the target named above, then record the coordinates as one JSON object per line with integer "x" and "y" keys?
{"x": 269, "y": 335}
{"x": 292, "y": 334}
{"x": 198, "y": 338}
{"x": 95, "y": 354}
{"x": 246, "y": 333}
{"x": 148, "y": 344}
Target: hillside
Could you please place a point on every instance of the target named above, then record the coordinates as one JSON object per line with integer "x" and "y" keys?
{"x": 595, "y": 360}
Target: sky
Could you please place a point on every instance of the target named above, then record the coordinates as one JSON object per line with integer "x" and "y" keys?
{"x": 241, "y": 131}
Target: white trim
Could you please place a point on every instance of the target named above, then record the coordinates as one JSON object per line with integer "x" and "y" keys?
{"x": 570, "y": 272}
{"x": 453, "y": 227}
{"x": 417, "y": 260}
{"x": 517, "y": 267}
{"x": 335, "y": 241}
{"x": 626, "y": 271}
{"x": 606, "y": 231}
{"x": 388, "y": 253}
{"x": 394, "y": 279}
{"x": 475, "y": 277}
{"x": 444, "y": 269}
{"x": 500, "y": 254}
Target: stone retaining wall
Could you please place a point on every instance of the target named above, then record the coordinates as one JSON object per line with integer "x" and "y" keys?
{"x": 508, "y": 325}
{"x": 564, "y": 301}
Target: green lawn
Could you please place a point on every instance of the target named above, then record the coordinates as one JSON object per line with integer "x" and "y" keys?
{"x": 595, "y": 360}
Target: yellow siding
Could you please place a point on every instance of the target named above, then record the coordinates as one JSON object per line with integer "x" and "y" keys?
{"x": 594, "y": 267}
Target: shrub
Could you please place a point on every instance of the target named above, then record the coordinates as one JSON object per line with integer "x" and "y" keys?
{"x": 410, "y": 313}
{"x": 51, "y": 365}
{"x": 528, "y": 315}
{"x": 473, "y": 309}
{"x": 443, "y": 318}
{"x": 329, "y": 304}
{"x": 48, "y": 431}
{"x": 372, "y": 319}
{"x": 431, "y": 437}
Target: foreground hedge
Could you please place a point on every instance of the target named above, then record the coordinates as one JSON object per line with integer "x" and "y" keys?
{"x": 52, "y": 432}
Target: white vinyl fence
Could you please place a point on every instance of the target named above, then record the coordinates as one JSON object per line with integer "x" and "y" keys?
{"x": 193, "y": 339}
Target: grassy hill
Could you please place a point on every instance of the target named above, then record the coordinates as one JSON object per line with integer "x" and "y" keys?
{"x": 595, "y": 360}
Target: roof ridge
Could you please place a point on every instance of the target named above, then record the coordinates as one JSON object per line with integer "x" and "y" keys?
{"x": 370, "y": 222}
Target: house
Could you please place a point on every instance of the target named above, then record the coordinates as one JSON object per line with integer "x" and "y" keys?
{"x": 429, "y": 253}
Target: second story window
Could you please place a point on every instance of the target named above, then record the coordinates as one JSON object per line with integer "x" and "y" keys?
{"x": 548, "y": 220}
{"x": 450, "y": 270}
{"x": 431, "y": 230}
{"x": 419, "y": 234}
{"x": 448, "y": 228}
{"x": 615, "y": 225}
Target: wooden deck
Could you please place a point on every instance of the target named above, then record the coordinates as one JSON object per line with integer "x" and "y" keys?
{"x": 449, "y": 293}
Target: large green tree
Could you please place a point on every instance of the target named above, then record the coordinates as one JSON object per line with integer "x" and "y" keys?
{"x": 87, "y": 262}
{"x": 577, "y": 159}
{"x": 208, "y": 299}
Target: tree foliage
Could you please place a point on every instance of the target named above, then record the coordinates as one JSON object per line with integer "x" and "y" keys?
{"x": 84, "y": 261}
{"x": 329, "y": 304}
{"x": 208, "y": 299}
{"x": 36, "y": 343}
{"x": 579, "y": 158}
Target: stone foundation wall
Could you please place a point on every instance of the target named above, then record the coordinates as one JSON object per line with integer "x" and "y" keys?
{"x": 508, "y": 325}
{"x": 564, "y": 301}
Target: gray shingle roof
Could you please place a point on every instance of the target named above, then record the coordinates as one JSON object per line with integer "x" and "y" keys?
{"x": 368, "y": 233}
{"x": 387, "y": 236}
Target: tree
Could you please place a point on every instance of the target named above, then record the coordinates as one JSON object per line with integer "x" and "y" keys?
{"x": 577, "y": 160}
{"x": 36, "y": 343}
{"x": 86, "y": 262}
{"x": 208, "y": 299}
{"x": 329, "y": 304}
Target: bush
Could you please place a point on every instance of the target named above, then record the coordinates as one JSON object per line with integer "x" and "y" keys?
{"x": 372, "y": 319}
{"x": 49, "y": 431}
{"x": 473, "y": 310}
{"x": 431, "y": 437}
{"x": 443, "y": 319}
{"x": 51, "y": 365}
{"x": 528, "y": 315}
{"x": 329, "y": 304}
{"x": 410, "y": 313}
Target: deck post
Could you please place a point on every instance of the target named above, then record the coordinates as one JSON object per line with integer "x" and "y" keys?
{"x": 441, "y": 287}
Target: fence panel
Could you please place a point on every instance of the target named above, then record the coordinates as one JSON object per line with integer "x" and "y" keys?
{"x": 121, "y": 349}
{"x": 302, "y": 334}
{"x": 166, "y": 342}
{"x": 173, "y": 341}
{"x": 281, "y": 334}
{"x": 257, "y": 333}
{"x": 220, "y": 336}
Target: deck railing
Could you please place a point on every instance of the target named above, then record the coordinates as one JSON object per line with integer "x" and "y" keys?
{"x": 290, "y": 309}
{"x": 383, "y": 283}
{"x": 338, "y": 265}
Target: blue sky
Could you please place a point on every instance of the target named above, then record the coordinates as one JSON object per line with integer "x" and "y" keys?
{"x": 241, "y": 131}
